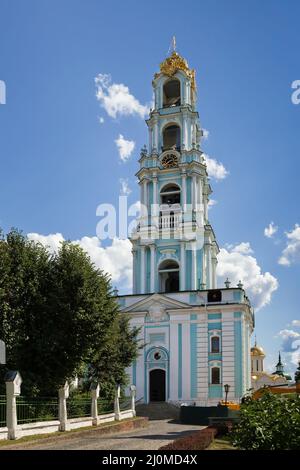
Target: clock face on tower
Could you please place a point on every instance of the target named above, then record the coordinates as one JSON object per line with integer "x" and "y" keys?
{"x": 170, "y": 160}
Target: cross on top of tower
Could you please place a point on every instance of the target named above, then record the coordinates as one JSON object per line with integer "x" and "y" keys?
{"x": 174, "y": 43}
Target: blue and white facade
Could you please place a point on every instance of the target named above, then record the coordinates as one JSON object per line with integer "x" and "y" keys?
{"x": 196, "y": 337}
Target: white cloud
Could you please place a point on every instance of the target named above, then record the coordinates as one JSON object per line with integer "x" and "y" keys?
{"x": 125, "y": 189}
{"x": 270, "y": 230}
{"x": 125, "y": 147}
{"x": 211, "y": 203}
{"x": 115, "y": 259}
{"x": 237, "y": 263}
{"x": 205, "y": 134}
{"x": 291, "y": 345}
{"x": 291, "y": 253}
{"x": 52, "y": 241}
{"x": 243, "y": 248}
{"x": 215, "y": 169}
{"x": 116, "y": 98}
{"x": 296, "y": 323}
{"x": 101, "y": 120}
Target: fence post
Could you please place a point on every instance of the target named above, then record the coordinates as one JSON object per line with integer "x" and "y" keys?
{"x": 132, "y": 394}
{"x": 13, "y": 381}
{"x": 63, "y": 394}
{"x": 117, "y": 403}
{"x": 95, "y": 389}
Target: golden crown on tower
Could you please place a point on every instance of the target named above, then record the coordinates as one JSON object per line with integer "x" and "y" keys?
{"x": 175, "y": 62}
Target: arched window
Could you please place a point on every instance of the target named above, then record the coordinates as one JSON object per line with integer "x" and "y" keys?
{"x": 169, "y": 276}
{"x": 171, "y": 93}
{"x": 215, "y": 375}
{"x": 215, "y": 344}
{"x": 170, "y": 194}
{"x": 171, "y": 137}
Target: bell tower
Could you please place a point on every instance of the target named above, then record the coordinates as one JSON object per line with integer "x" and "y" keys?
{"x": 196, "y": 337}
{"x": 174, "y": 246}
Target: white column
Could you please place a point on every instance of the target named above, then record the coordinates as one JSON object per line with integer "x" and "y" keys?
{"x": 214, "y": 271}
{"x": 200, "y": 198}
{"x": 132, "y": 395}
{"x": 203, "y": 267}
{"x": 117, "y": 403}
{"x": 145, "y": 196}
{"x": 155, "y": 198}
{"x": 182, "y": 266}
{"x": 202, "y": 360}
{"x": 228, "y": 352}
{"x": 155, "y": 135}
{"x": 186, "y": 357}
{"x": 184, "y": 140}
{"x": 208, "y": 266}
{"x": 205, "y": 202}
{"x": 152, "y": 269}
{"x": 183, "y": 191}
{"x": 95, "y": 395}
{"x": 63, "y": 394}
{"x": 156, "y": 93}
{"x": 194, "y": 267}
{"x": 194, "y": 192}
{"x": 13, "y": 389}
{"x": 143, "y": 271}
{"x": 173, "y": 360}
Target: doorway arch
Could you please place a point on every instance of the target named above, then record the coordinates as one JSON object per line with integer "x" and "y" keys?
{"x": 157, "y": 386}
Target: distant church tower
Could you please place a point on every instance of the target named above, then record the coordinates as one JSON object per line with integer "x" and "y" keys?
{"x": 197, "y": 337}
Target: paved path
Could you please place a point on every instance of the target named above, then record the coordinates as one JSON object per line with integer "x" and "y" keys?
{"x": 157, "y": 434}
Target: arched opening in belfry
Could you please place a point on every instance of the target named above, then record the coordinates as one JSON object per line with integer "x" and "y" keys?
{"x": 171, "y": 93}
{"x": 170, "y": 194}
{"x": 171, "y": 137}
{"x": 169, "y": 276}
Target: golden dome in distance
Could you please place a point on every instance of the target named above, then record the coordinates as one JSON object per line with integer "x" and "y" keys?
{"x": 257, "y": 350}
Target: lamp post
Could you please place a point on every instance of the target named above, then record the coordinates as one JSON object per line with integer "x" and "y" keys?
{"x": 226, "y": 388}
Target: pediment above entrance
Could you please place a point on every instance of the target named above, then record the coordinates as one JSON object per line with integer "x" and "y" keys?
{"x": 156, "y": 305}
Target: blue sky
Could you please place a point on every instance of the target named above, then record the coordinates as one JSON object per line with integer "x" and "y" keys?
{"x": 58, "y": 162}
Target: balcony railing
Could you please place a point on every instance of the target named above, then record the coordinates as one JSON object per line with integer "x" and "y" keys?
{"x": 170, "y": 221}
{"x": 164, "y": 148}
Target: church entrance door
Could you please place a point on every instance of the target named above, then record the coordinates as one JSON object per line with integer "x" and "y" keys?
{"x": 157, "y": 385}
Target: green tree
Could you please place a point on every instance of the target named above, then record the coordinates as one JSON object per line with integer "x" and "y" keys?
{"x": 57, "y": 315}
{"x": 269, "y": 423}
{"x": 109, "y": 363}
{"x": 297, "y": 373}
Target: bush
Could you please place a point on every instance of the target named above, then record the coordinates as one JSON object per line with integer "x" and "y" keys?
{"x": 199, "y": 440}
{"x": 270, "y": 423}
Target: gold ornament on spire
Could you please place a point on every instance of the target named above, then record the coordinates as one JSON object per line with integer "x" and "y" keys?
{"x": 175, "y": 62}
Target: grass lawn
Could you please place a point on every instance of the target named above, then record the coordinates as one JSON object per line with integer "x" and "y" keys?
{"x": 221, "y": 443}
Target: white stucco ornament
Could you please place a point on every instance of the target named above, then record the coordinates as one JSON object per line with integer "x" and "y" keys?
{"x": 157, "y": 312}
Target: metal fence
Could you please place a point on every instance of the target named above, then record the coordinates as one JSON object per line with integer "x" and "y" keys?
{"x": 105, "y": 406}
{"x": 2, "y": 411}
{"x": 79, "y": 406}
{"x": 31, "y": 410}
{"x": 125, "y": 404}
